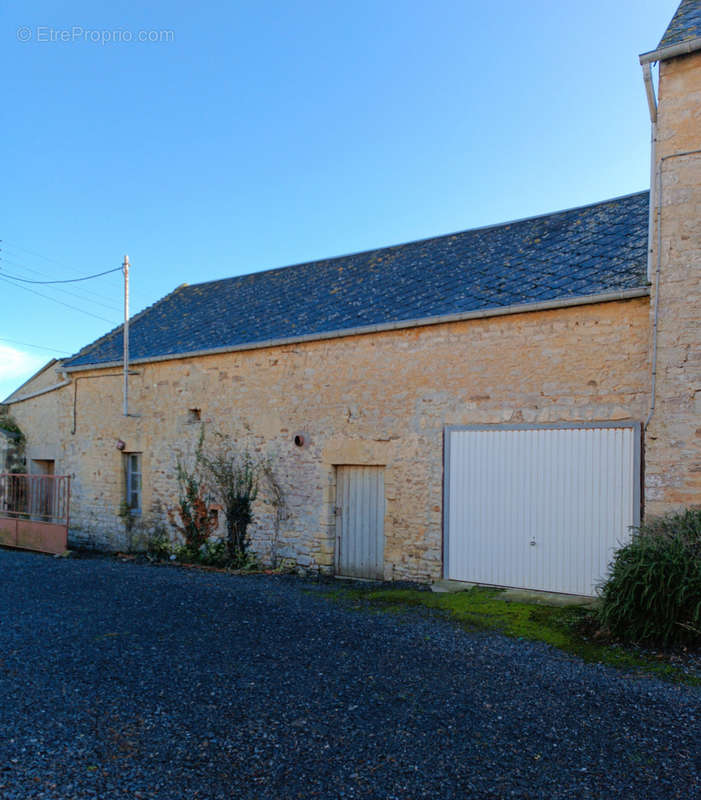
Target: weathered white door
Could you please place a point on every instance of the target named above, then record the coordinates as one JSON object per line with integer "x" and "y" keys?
{"x": 539, "y": 507}
{"x": 360, "y": 514}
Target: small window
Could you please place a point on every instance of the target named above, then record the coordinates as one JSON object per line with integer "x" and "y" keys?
{"x": 133, "y": 482}
{"x": 194, "y": 414}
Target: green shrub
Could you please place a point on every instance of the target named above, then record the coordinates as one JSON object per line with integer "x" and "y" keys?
{"x": 7, "y": 423}
{"x": 158, "y": 544}
{"x": 192, "y": 518}
{"x": 234, "y": 476}
{"x": 15, "y": 460}
{"x": 653, "y": 593}
{"x": 231, "y": 476}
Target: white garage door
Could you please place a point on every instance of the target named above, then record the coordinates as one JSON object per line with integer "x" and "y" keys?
{"x": 539, "y": 507}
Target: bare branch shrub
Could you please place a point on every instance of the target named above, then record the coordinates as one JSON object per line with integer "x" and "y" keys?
{"x": 235, "y": 476}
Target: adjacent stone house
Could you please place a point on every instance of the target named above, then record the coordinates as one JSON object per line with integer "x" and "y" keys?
{"x": 496, "y": 405}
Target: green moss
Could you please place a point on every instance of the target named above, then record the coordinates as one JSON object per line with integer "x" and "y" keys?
{"x": 481, "y": 608}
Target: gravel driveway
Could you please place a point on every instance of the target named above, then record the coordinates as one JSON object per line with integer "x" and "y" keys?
{"x": 125, "y": 680}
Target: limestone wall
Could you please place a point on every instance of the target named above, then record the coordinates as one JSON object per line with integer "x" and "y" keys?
{"x": 378, "y": 399}
{"x": 673, "y": 442}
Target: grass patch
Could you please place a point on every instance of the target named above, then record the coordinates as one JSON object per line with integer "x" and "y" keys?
{"x": 569, "y": 628}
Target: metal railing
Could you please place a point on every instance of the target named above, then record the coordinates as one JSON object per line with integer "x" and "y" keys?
{"x": 40, "y": 498}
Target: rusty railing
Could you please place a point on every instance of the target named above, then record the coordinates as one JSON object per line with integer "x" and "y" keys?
{"x": 35, "y": 511}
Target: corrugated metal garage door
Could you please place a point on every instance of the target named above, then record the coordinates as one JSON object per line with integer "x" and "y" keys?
{"x": 360, "y": 521}
{"x": 539, "y": 507}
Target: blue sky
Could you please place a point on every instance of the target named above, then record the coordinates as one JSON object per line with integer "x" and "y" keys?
{"x": 255, "y": 135}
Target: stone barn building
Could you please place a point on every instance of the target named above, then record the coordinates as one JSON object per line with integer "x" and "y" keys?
{"x": 498, "y": 405}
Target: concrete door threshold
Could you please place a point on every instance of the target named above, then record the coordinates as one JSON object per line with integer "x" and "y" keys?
{"x": 519, "y": 595}
{"x": 360, "y": 580}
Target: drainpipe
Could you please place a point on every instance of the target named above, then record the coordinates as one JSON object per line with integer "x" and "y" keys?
{"x": 125, "y": 329}
{"x": 656, "y": 204}
{"x": 650, "y": 91}
{"x": 76, "y": 378}
{"x": 652, "y": 106}
{"x": 656, "y": 307}
{"x": 658, "y": 269}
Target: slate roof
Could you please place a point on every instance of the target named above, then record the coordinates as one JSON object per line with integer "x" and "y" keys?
{"x": 685, "y": 24}
{"x": 583, "y": 251}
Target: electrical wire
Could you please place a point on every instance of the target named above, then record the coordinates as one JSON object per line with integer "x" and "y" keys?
{"x": 37, "y": 346}
{"x": 70, "y": 280}
{"x": 60, "y": 302}
{"x": 9, "y": 247}
{"x": 81, "y": 294}
{"x": 6, "y": 246}
{"x": 33, "y": 253}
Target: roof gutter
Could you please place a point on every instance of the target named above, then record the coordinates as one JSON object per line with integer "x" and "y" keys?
{"x": 663, "y": 53}
{"x": 523, "y": 308}
{"x": 10, "y": 400}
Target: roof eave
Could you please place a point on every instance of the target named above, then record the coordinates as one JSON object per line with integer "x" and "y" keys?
{"x": 19, "y": 398}
{"x": 674, "y": 50}
{"x": 522, "y": 308}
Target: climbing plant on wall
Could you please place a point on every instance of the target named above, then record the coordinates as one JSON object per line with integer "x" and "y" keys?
{"x": 15, "y": 456}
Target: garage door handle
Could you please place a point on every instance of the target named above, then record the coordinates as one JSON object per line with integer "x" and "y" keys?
{"x": 532, "y": 543}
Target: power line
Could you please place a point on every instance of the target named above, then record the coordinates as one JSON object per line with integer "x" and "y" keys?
{"x": 12, "y": 260}
{"x": 60, "y": 302}
{"x": 37, "y": 346}
{"x": 82, "y": 294}
{"x": 9, "y": 247}
{"x": 34, "y": 253}
{"x": 20, "y": 265}
{"x": 70, "y": 280}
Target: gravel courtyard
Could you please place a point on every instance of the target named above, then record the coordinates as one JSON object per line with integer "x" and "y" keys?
{"x": 124, "y": 680}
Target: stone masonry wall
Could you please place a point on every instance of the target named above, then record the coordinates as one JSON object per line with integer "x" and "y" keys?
{"x": 673, "y": 442}
{"x": 380, "y": 399}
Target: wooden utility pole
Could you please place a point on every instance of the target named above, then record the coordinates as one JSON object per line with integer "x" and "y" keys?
{"x": 125, "y": 268}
